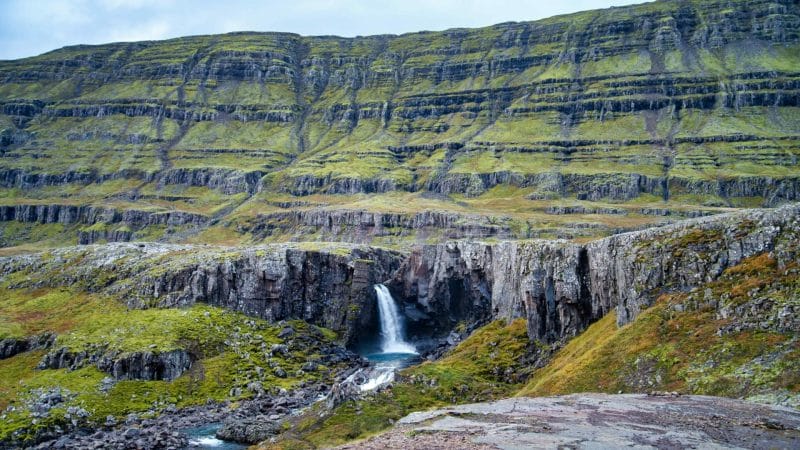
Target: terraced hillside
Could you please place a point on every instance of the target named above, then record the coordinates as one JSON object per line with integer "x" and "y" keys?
{"x": 572, "y": 126}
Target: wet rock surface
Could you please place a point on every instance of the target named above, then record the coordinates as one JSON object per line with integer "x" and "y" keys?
{"x": 249, "y": 421}
{"x": 596, "y": 421}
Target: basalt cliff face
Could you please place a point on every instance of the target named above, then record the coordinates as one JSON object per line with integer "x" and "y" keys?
{"x": 681, "y": 107}
{"x": 561, "y": 287}
{"x": 330, "y": 287}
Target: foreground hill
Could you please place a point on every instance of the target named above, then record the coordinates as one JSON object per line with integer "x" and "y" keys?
{"x": 577, "y": 125}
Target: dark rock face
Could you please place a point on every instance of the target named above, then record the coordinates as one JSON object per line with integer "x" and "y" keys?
{"x": 327, "y": 288}
{"x": 10, "y": 346}
{"x": 561, "y": 287}
{"x": 149, "y": 366}
{"x": 90, "y": 215}
{"x": 362, "y": 226}
{"x": 448, "y": 283}
{"x": 227, "y": 181}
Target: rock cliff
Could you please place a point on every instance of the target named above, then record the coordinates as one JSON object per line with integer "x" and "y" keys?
{"x": 562, "y": 287}
{"x": 558, "y": 286}
{"x": 330, "y": 287}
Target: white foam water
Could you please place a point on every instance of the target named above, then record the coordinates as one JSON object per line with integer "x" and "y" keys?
{"x": 393, "y": 340}
{"x": 207, "y": 442}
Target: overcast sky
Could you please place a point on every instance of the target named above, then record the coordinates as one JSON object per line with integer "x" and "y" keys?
{"x": 31, "y": 27}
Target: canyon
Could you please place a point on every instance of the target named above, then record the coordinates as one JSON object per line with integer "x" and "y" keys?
{"x": 297, "y": 241}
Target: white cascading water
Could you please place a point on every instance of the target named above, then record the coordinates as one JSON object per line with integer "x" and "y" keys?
{"x": 391, "y": 324}
{"x": 395, "y": 351}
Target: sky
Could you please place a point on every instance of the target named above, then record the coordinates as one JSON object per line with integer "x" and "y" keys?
{"x": 32, "y": 27}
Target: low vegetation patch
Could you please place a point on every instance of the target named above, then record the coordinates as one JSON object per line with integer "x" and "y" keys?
{"x": 236, "y": 357}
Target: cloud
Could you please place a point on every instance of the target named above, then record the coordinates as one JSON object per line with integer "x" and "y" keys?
{"x": 153, "y": 30}
{"x": 31, "y": 27}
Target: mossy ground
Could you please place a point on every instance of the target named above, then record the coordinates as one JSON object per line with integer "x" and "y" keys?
{"x": 233, "y": 350}
{"x": 487, "y": 365}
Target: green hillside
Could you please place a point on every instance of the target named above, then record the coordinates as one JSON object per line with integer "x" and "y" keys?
{"x": 572, "y": 126}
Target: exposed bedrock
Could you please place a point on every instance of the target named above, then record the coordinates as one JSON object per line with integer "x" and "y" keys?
{"x": 129, "y": 220}
{"x": 594, "y": 187}
{"x": 147, "y": 365}
{"x": 561, "y": 287}
{"x": 227, "y": 181}
{"x": 12, "y": 346}
{"x": 25, "y": 179}
{"x": 362, "y": 226}
{"x": 327, "y": 287}
{"x": 623, "y": 186}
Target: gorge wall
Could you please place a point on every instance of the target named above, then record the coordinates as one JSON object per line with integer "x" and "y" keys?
{"x": 330, "y": 286}
{"x": 558, "y": 286}
{"x": 562, "y": 287}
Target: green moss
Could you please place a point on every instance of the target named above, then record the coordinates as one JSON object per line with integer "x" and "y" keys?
{"x": 232, "y": 350}
{"x": 489, "y": 364}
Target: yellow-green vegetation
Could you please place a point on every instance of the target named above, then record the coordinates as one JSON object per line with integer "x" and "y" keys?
{"x": 682, "y": 344}
{"x": 489, "y": 364}
{"x": 175, "y": 124}
{"x": 231, "y": 351}
{"x": 29, "y": 312}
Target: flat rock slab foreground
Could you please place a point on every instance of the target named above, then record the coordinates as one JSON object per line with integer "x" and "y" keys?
{"x": 595, "y": 421}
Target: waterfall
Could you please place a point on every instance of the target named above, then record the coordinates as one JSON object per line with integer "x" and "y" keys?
{"x": 391, "y": 324}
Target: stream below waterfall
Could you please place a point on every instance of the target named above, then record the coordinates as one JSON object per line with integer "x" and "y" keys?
{"x": 392, "y": 353}
{"x": 395, "y": 352}
{"x": 205, "y": 437}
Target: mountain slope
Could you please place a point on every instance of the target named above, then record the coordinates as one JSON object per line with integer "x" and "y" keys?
{"x": 576, "y": 125}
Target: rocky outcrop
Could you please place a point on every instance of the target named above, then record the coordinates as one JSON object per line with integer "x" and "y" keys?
{"x": 227, "y": 181}
{"x": 362, "y": 225}
{"x": 90, "y": 215}
{"x": 308, "y": 184}
{"x": 148, "y": 365}
{"x": 330, "y": 287}
{"x": 561, "y": 287}
{"x": 101, "y": 218}
{"x": 12, "y": 346}
{"x": 593, "y": 420}
{"x": 26, "y": 179}
{"x": 623, "y": 186}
